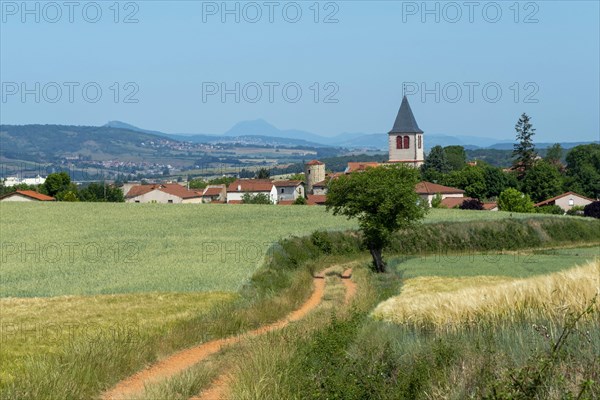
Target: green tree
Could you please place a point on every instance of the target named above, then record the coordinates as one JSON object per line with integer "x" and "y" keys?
{"x": 515, "y": 201}
{"x": 524, "y": 150}
{"x": 470, "y": 179}
{"x": 496, "y": 181}
{"x": 542, "y": 181}
{"x": 100, "y": 192}
{"x": 583, "y": 170}
{"x": 456, "y": 156}
{"x": 435, "y": 164}
{"x": 259, "y": 198}
{"x": 471, "y": 204}
{"x": 297, "y": 177}
{"x": 224, "y": 180}
{"x": 382, "y": 199}
{"x": 197, "y": 184}
{"x": 263, "y": 173}
{"x": 56, "y": 182}
{"x": 554, "y": 154}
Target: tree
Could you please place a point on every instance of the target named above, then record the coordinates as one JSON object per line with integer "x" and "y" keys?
{"x": 515, "y": 201}
{"x": 56, "y": 182}
{"x": 524, "y": 151}
{"x": 554, "y": 154}
{"x": 592, "y": 210}
{"x": 382, "y": 199}
{"x": 197, "y": 184}
{"x": 456, "y": 156}
{"x": 470, "y": 179}
{"x": 263, "y": 173}
{"x": 259, "y": 198}
{"x": 550, "y": 209}
{"x": 542, "y": 181}
{"x": 98, "y": 192}
{"x": 496, "y": 181}
{"x": 471, "y": 204}
{"x": 583, "y": 170}
{"x": 435, "y": 164}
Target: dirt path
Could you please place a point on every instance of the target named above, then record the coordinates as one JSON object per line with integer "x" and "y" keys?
{"x": 185, "y": 359}
{"x": 219, "y": 387}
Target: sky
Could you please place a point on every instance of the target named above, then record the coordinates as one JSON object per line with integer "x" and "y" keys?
{"x": 467, "y": 67}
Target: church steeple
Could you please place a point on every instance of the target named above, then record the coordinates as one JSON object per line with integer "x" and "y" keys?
{"x": 406, "y": 138}
{"x": 405, "y": 120}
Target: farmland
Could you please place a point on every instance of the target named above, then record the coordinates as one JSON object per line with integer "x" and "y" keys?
{"x": 83, "y": 279}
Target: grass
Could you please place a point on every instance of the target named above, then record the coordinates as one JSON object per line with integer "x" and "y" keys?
{"x": 448, "y": 303}
{"x": 43, "y": 326}
{"x": 87, "y": 249}
{"x": 516, "y": 264}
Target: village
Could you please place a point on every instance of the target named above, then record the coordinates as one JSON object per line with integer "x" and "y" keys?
{"x": 406, "y": 146}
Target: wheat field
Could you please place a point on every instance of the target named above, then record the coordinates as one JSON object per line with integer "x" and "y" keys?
{"x": 448, "y": 303}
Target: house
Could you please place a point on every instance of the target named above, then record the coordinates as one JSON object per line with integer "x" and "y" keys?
{"x": 289, "y": 190}
{"x": 26, "y": 195}
{"x": 253, "y": 187}
{"x": 214, "y": 194}
{"x": 566, "y": 201}
{"x": 162, "y": 193}
{"x": 428, "y": 190}
{"x": 320, "y": 188}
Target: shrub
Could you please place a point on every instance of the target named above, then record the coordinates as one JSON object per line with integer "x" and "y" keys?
{"x": 576, "y": 210}
{"x": 553, "y": 209}
{"x": 592, "y": 210}
{"x": 515, "y": 201}
{"x": 471, "y": 204}
{"x": 260, "y": 198}
{"x": 436, "y": 202}
{"x": 300, "y": 201}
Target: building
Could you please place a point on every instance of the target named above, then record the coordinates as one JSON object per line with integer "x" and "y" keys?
{"x": 253, "y": 187}
{"x": 360, "y": 166}
{"x": 320, "y": 188}
{"x": 14, "y": 181}
{"x": 405, "y": 140}
{"x": 316, "y": 200}
{"x": 428, "y": 191}
{"x": 314, "y": 171}
{"x": 162, "y": 193}
{"x": 214, "y": 194}
{"x": 289, "y": 190}
{"x": 566, "y": 201}
{"x": 26, "y": 195}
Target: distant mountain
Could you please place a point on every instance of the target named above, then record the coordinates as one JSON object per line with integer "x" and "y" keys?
{"x": 564, "y": 145}
{"x": 42, "y": 143}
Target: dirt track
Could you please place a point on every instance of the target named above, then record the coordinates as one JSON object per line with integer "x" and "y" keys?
{"x": 185, "y": 359}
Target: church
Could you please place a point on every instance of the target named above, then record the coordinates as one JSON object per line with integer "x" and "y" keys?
{"x": 406, "y": 138}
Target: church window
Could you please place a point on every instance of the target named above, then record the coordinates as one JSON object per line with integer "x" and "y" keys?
{"x": 399, "y": 142}
{"x": 420, "y": 143}
{"x": 406, "y": 142}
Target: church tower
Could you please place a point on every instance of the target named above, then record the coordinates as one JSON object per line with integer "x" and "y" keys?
{"x": 406, "y": 138}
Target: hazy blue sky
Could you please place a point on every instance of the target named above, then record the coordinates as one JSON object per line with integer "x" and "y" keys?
{"x": 179, "y": 53}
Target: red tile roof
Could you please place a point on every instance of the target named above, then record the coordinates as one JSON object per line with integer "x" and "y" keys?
{"x": 451, "y": 202}
{"x": 235, "y": 202}
{"x": 31, "y": 194}
{"x": 543, "y": 203}
{"x": 489, "y": 206}
{"x": 434, "y": 188}
{"x": 315, "y": 162}
{"x": 321, "y": 184}
{"x": 286, "y": 202}
{"x": 212, "y": 191}
{"x": 251, "y": 185}
{"x": 360, "y": 166}
{"x": 174, "y": 189}
{"x": 287, "y": 183}
{"x": 316, "y": 199}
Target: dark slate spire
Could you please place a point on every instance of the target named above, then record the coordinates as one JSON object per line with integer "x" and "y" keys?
{"x": 405, "y": 121}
